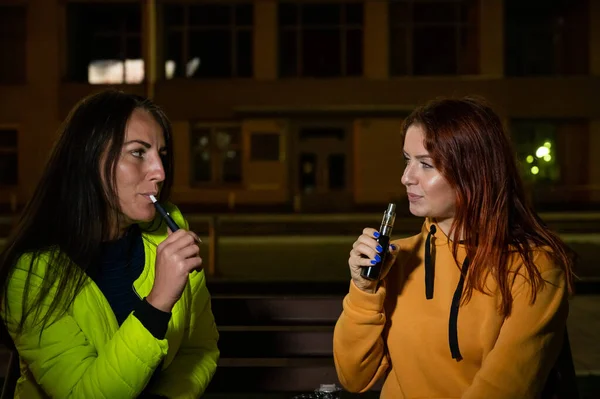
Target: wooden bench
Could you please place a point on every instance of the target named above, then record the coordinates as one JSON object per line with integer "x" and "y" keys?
{"x": 275, "y": 341}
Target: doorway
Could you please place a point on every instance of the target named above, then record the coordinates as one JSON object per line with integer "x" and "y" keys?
{"x": 323, "y": 168}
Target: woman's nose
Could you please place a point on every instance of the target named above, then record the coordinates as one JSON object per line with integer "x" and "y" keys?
{"x": 408, "y": 177}
{"x": 157, "y": 170}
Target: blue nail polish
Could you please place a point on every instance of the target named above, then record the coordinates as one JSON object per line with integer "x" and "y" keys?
{"x": 373, "y": 262}
{"x": 379, "y": 249}
{"x": 393, "y": 247}
{"x": 376, "y": 235}
{"x": 378, "y": 258}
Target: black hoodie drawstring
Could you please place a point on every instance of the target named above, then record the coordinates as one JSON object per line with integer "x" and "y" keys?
{"x": 429, "y": 273}
{"x": 453, "y": 321}
{"x": 429, "y": 278}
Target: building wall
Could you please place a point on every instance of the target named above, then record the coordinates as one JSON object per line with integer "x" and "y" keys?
{"x": 267, "y": 103}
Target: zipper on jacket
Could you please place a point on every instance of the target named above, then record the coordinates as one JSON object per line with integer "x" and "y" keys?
{"x": 134, "y": 290}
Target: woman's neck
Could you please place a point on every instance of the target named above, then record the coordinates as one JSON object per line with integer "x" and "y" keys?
{"x": 123, "y": 224}
{"x": 445, "y": 225}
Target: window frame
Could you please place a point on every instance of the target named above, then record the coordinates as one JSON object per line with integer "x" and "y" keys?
{"x": 186, "y": 28}
{"x": 19, "y": 39}
{"x": 298, "y": 28}
{"x": 217, "y": 180}
{"x": 461, "y": 28}
{"x": 123, "y": 34}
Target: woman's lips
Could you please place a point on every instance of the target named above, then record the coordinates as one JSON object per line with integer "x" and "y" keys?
{"x": 414, "y": 197}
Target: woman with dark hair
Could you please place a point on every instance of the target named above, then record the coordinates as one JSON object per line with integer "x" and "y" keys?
{"x": 475, "y": 306}
{"x": 99, "y": 297}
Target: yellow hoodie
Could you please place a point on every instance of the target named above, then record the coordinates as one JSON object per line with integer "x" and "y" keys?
{"x": 398, "y": 335}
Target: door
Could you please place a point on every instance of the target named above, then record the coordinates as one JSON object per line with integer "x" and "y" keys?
{"x": 323, "y": 168}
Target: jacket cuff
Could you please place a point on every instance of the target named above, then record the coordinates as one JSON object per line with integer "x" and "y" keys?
{"x": 154, "y": 320}
{"x": 367, "y": 301}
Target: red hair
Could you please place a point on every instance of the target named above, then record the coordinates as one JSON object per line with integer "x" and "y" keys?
{"x": 471, "y": 149}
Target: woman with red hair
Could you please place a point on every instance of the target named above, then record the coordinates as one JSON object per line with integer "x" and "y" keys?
{"x": 475, "y": 305}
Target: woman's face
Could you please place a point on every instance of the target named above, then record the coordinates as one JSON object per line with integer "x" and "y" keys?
{"x": 429, "y": 193}
{"x": 140, "y": 172}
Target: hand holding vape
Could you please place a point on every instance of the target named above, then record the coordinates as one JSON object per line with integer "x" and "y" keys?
{"x": 385, "y": 231}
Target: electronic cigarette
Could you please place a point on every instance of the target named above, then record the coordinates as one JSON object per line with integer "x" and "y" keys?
{"x": 170, "y": 222}
{"x": 385, "y": 231}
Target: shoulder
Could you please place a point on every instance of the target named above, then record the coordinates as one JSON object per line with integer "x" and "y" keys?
{"x": 542, "y": 257}
{"x": 36, "y": 264}
{"x": 27, "y": 280}
{"x": 544, "y": 261}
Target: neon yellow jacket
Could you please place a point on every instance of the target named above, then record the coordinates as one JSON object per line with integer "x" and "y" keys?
{"x": 86, "y": 354}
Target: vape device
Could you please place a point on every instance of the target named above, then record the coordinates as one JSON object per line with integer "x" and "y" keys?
{"x": 385, "y": 231}
{"x": 170, "y": 222}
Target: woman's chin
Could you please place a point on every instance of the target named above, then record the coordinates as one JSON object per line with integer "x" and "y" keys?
{"x": 145, "y": 217}
{"x": 416, "y": 211}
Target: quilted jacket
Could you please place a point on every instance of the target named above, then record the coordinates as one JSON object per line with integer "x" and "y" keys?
{"x": 86, "y": 354}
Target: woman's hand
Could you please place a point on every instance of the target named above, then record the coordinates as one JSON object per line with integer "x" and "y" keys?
{"x": 364, "y": 251}
{"x": 176, "y": 258}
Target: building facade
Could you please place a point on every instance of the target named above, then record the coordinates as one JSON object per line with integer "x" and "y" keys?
{"x": 297, "y": 105}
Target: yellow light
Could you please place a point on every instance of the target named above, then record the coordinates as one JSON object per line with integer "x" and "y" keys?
{"x": 542, "y": 151}
{"x": 535, "y": 170}
{"x": 548, "y": 144}
{"x": 529, "y": 159}
{"x": 547, "y": 158}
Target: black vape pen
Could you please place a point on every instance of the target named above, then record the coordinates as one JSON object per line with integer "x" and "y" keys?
{"x": 170, "y": 222}
{"x": 385, "y": 231}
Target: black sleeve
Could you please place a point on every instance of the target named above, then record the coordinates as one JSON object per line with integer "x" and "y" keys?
{"x": 156, "y": 321}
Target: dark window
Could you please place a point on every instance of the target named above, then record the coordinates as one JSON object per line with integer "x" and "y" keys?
{"x": 8, "y": 157}
{"x": 337, "y": 171}
{"x": 104, "y": 43}
{"x": 264, "y": 146}
{"x": 13, "y": 35}
{"x": 212, "y": 40}
{"x": 320, "y": 39}
{"x": 216, "y": 155}
{"x": 546, "y": 37}
{"x": 433, "y": 37}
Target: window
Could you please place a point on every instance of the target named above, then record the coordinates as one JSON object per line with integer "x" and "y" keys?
{"x": 13, "y": 34}
{"x": 8, "y": 157}
{"x": 546, "y": 37}
{"x": 211, "y": 40}
{"x": 320, "y": 40}
{"x": 264, "y": 146}
{"x": 104, "y": 43}
{"x": 216, "y": 154}
{"x": 434, "y": 37}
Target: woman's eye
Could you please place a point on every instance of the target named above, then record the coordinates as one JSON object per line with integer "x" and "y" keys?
{"x": 426, "y": 165}
{"x": 137, "y": 153}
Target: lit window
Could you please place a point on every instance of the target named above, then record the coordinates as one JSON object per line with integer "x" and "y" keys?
{"x": 105, "y": 45}
{"x": 211, "y": 40}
